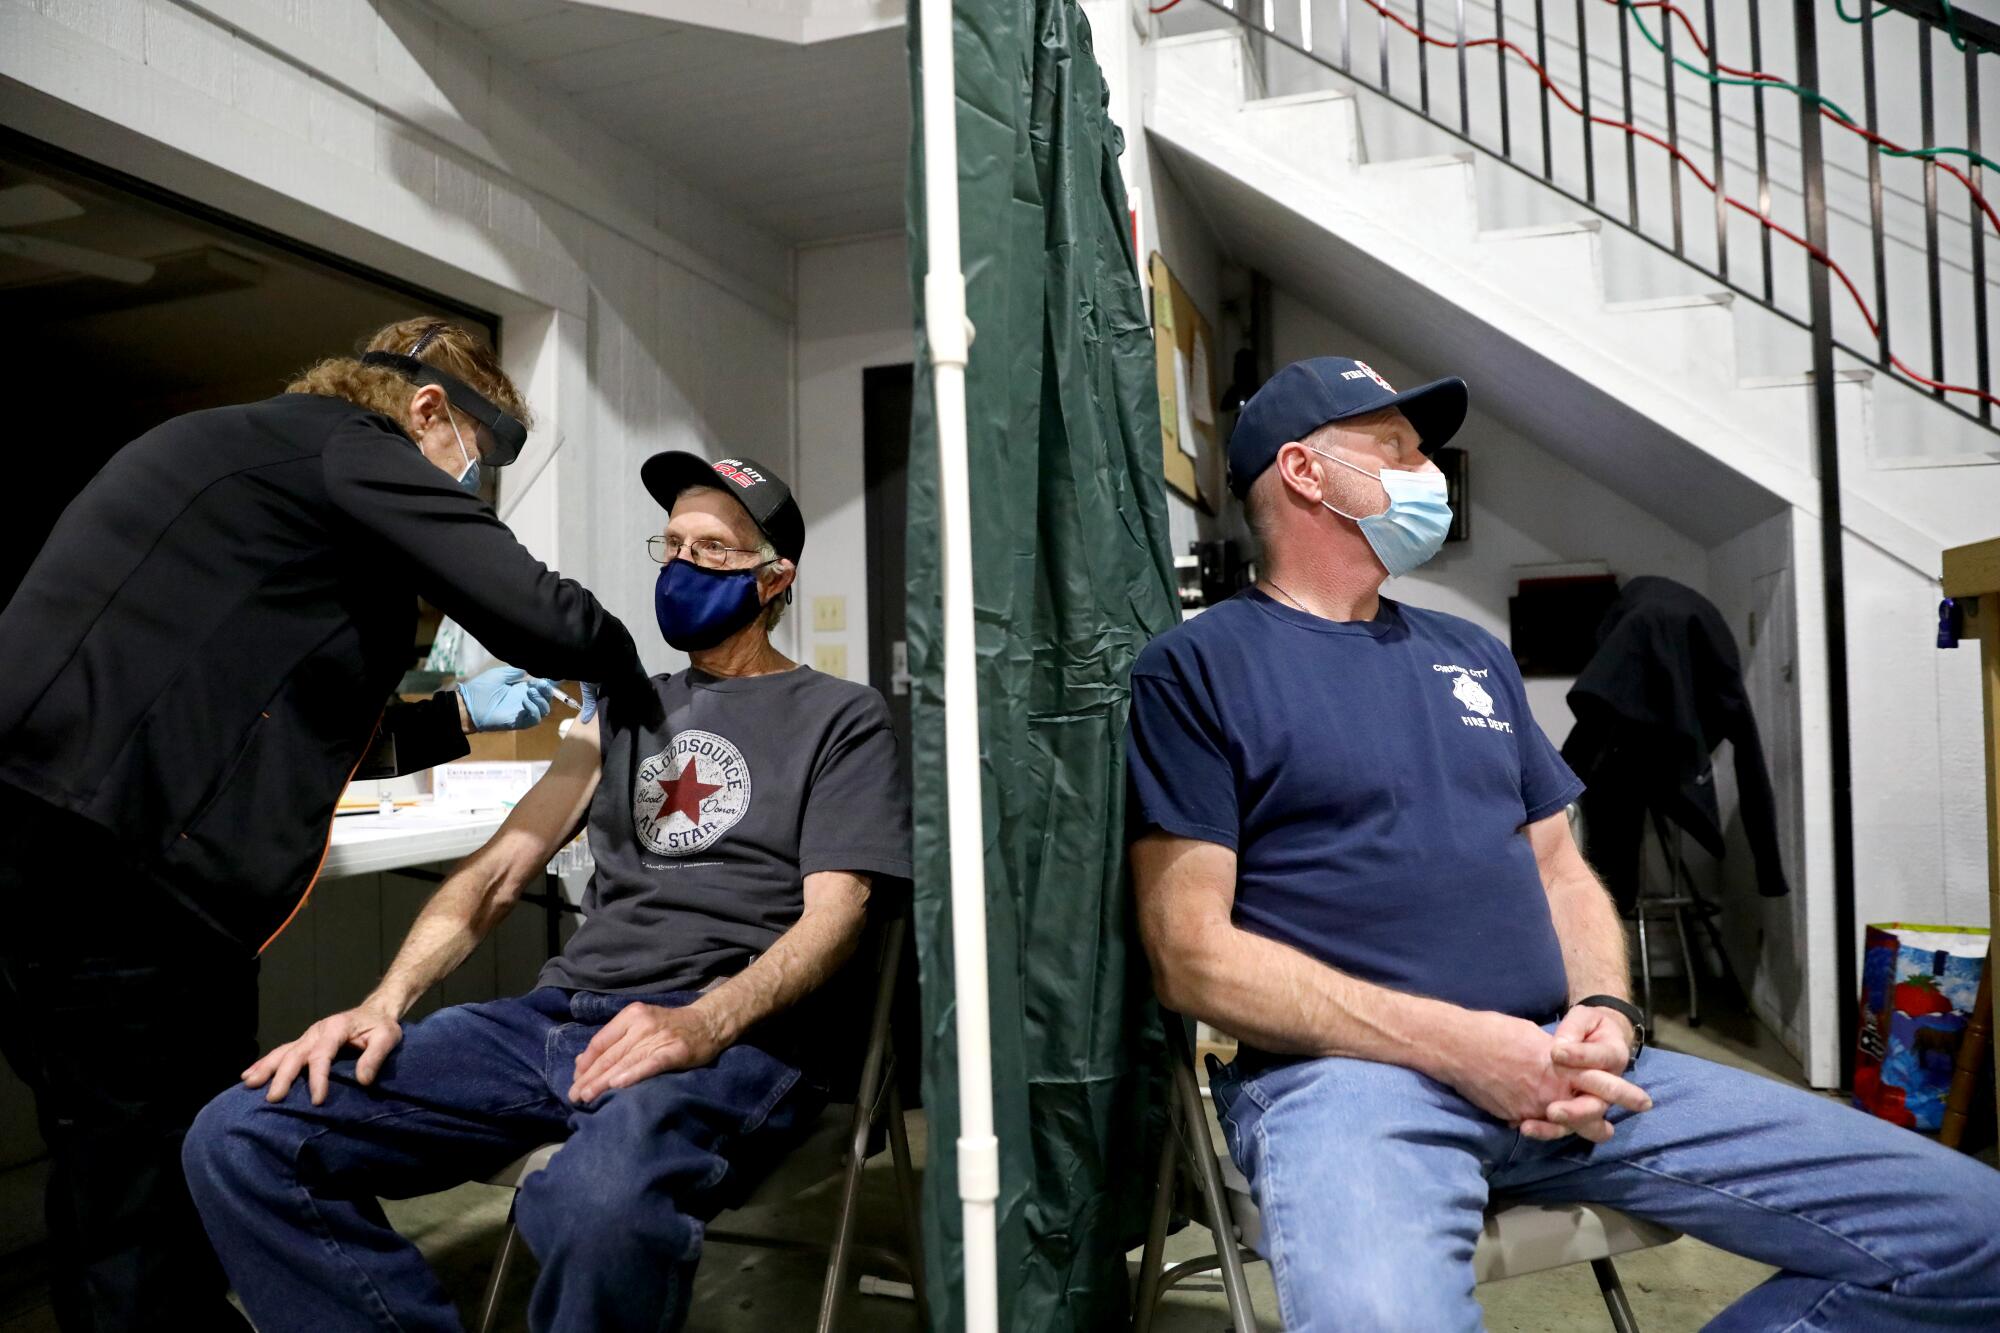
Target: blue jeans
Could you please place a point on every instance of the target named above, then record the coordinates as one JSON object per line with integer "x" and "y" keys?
{"x": 1371, "y": 1180}
{"x": 288, "y": 1191}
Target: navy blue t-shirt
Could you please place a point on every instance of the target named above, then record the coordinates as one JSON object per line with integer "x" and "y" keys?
{"x": 1373, "y": 778}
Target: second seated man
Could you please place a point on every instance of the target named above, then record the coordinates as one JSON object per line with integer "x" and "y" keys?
{"x": 738, "y": 833}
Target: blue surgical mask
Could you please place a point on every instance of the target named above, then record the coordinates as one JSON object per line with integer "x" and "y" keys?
{"x": 1415, "y": 524}
{"x": 468, "y": 480}
{"x": 698, "y": 608}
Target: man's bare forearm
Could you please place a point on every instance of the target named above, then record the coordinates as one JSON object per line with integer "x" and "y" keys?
{"x": 1592, "y": 937}
{"x": 1279, "y": 1000}
{"x": 801, "y": 960}
{"x": 466, "y": 907}
{"x": 1587, "y": 925}
{"x": 484, "y": 888}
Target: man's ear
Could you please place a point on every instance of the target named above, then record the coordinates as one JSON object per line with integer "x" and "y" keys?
{"x": 784, "y": 574}
{"x": 1298, "y": 468}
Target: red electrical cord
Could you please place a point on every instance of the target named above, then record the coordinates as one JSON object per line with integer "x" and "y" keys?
{"x": 1699, "y": 175}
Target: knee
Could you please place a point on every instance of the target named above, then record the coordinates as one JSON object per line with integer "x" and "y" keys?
{"x": 606, "y": 1212}
{"x": 1358, "y": 1292}
{"x": 228, "y": 1142}
{"x": 1965, "y": 1246}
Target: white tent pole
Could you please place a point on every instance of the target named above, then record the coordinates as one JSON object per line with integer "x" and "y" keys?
{"x": 950, "y": 337}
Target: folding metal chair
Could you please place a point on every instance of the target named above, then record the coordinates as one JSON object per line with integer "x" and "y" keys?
{"x": 851, "y": 1130}
{"x": 1517, "y": 1238}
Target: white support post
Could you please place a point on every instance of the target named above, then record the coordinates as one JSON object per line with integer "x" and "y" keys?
{"x": 950, "y": 337}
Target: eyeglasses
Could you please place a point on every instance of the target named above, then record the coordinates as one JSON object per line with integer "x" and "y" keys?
{"x": 704, "y": 551}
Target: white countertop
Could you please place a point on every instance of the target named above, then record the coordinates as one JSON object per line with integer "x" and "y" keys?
{"x": 412, "y": 836}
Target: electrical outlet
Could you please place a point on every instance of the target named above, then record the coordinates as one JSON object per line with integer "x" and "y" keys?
{"x": 829, "y": 615}
{"x": 830, "y": 658}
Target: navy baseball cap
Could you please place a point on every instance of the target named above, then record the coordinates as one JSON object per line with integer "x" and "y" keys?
{"x": 757, "y": 488}
{"x": 1306, "y": 395}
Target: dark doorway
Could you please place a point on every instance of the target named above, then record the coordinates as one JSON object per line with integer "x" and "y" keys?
{"x": 885, "y": 434}
{"x": 132, "y": 305}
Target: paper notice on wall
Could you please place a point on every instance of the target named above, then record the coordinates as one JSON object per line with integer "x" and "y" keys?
{"x": 1204, "y": 391}
{"x": 1182, "y": 417}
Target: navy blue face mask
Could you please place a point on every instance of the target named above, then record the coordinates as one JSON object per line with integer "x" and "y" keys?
{"x": 698, "y": 608}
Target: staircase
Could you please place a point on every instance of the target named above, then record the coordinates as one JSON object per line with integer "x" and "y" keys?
{"x": 1675, "y": 398}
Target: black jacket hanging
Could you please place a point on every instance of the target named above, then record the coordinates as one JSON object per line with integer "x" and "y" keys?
{"x": 1663, "y": 689}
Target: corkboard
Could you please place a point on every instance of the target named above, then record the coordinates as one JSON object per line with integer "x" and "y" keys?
{"x": 1184, "y": 345}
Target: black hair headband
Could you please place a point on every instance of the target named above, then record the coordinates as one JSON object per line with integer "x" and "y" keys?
{"x": 509, "y": 435}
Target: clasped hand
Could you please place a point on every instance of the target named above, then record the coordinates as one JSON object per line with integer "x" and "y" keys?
{"x": 1553, "y": 1084}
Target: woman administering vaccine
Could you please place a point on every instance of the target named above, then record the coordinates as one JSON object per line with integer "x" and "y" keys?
{"x": 196, "y": 663}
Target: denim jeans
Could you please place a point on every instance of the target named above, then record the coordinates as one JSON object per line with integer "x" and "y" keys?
{"x": 289, "y": 1190}
{"x": 1371, "y": 1180}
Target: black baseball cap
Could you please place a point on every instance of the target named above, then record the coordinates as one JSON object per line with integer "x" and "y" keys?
{"x": 761, "y": 492}
{"x": 1306, "y": 395}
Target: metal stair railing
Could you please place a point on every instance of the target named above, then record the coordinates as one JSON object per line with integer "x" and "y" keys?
{"x": 1680, "y": 41}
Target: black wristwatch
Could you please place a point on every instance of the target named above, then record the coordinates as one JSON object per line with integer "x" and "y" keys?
{"x": 1632, "y": 1016}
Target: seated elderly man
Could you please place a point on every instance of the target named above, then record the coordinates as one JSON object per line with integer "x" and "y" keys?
{"x": 1351, "y": 851}
{"x": 737, "y": 830}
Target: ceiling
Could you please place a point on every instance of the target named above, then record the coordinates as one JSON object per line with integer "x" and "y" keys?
{"x": 1575, "y": 420}
{"x": 808, "y": 140}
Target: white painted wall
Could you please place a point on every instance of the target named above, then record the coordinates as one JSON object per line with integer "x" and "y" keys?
{"x": 1752, "y": 583}
{"x": 854, "y": 311}
{"x": 1919, "y": 777}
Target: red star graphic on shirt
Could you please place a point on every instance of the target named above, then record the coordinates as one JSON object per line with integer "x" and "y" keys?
{"x": 686, "y": 793}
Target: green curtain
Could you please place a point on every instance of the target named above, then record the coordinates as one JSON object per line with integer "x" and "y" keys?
{"x": 1072, "y": 576}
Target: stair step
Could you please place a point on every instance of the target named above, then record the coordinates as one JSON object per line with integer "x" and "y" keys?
{"x": 1434, "y": 195}
{"x": 1299, "y": 99}
{"x": 1431, "y": 163}
{"x": 1723, "y": 299}
{"x": 1559, "y": 258}
{"x": 1321, "y": 134}
{"x": 1580, "y": 226}
{"x": 1213, "y": 66}
{"x": 1180, "y": 41}
{"x": 1802, "y": 379}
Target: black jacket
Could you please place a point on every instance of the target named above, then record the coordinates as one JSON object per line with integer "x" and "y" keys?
{"x": 199, "y": 656}
{"x": 1662, "y": 691}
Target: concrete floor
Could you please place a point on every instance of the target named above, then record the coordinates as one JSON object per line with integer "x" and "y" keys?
{"x": 1673, "y": 1288}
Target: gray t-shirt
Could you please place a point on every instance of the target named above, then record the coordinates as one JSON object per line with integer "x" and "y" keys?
{"x": 704, "y": 827}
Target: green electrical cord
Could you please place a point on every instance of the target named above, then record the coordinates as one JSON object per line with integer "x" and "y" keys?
{"x": 1807, "y": 94}
{"x": 1950, "y": 20}
{"x": 1700, "y": 73}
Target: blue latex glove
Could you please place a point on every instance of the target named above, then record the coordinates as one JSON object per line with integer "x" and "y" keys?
{"x": 589, "y": 709}
{"x": 506, "y": 699}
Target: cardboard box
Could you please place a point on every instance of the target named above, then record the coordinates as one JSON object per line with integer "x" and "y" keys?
{"x": 536, "y": 742}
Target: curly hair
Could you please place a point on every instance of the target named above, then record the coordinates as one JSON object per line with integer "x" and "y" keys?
{"x": 438, "y": 342}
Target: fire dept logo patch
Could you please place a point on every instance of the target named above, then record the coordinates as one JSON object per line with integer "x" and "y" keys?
{"x": 689, "y": 794}
{"x": 1472, "y": 694}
